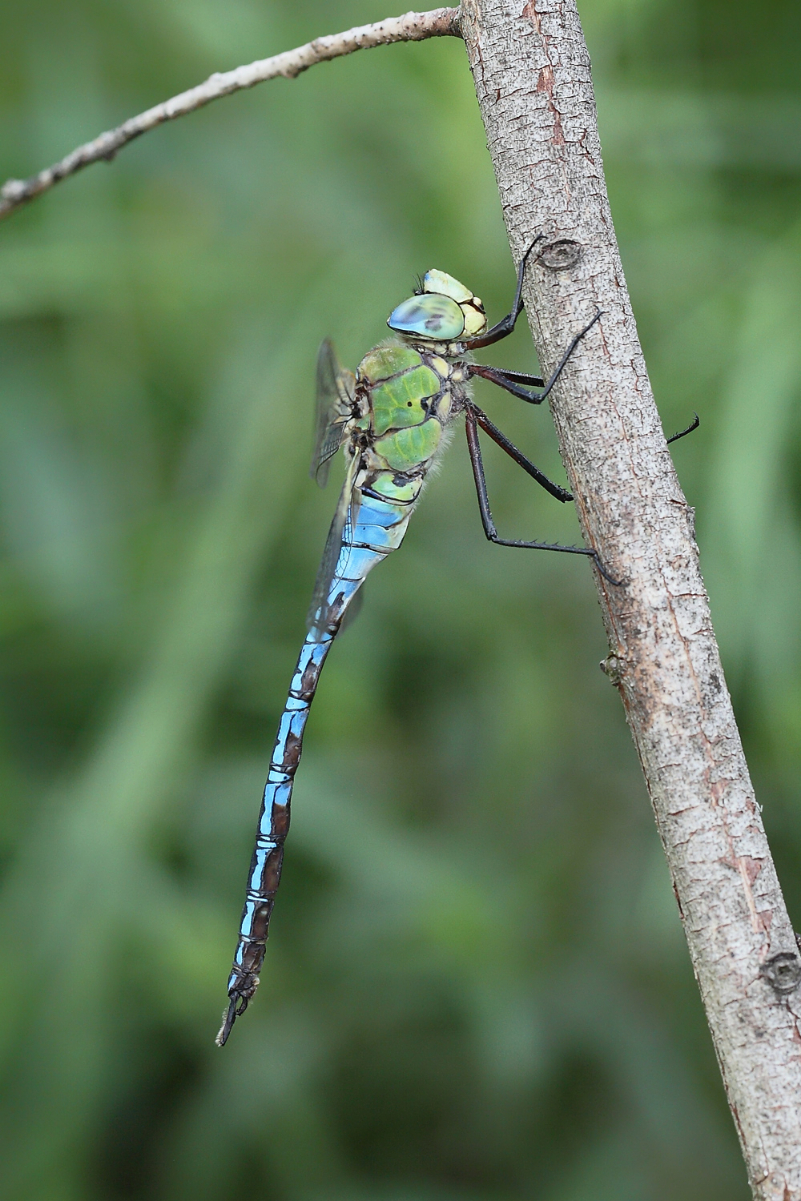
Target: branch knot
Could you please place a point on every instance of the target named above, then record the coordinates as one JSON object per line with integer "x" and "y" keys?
{"x": 782, "y": 972}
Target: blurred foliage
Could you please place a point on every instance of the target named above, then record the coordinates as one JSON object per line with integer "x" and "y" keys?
{"x": 477, "y": 986}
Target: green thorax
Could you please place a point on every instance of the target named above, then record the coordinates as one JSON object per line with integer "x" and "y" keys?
{"x": 407, "y": 397}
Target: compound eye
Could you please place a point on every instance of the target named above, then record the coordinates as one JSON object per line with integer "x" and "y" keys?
{"x": 434, "y": 317}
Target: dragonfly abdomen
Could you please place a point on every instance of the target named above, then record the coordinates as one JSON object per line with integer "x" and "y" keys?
{"x": 377, "y": 530}
{"x": 264, "y": 875}
{"x": 265, "y": 866}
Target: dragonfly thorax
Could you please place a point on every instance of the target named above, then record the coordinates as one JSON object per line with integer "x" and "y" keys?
{"x": 406, "y": 396}
{"x": 441, "y": 314}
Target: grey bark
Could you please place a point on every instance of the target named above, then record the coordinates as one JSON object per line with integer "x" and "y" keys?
{"x": 532, "y": 76}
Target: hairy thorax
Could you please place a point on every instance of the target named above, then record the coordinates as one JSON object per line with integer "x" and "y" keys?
{"x": 405, "y": 397}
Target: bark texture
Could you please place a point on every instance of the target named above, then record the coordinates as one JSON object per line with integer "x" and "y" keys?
{"x": 532, "y": 76}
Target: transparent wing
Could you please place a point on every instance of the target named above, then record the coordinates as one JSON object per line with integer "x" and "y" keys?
{"x": 343, "y": 517}
{"x": 335, "y": 385}
{"x": 353, "y": 610}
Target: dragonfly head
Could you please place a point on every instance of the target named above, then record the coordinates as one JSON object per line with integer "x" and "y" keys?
{"x": 442, "y": 311}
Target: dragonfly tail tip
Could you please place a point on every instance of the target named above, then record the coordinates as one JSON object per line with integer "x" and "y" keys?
{"x": 229, "y": 1017}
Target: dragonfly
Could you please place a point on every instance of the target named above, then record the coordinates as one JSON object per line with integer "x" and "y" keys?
{"x": 392, "y": 418}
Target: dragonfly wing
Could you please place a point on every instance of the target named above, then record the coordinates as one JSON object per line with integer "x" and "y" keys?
{"x": 343, "y": 519}
{"x": 353, "y": 610}
{"x": 335, "y": 390}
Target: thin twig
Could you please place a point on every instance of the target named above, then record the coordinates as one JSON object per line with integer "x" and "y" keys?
{"x": 411, "y": 27}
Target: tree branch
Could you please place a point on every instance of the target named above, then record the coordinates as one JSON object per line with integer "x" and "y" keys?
{"x": 532, "y": 78}
{"x": 412, "y": 27}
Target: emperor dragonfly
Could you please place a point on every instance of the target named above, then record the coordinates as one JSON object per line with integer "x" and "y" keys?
{"x": 392, "y": 417}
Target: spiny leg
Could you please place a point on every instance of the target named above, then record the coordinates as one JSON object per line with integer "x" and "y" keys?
{"x": 504, "y": 327}
{"x": 693, "y": 426}
{"x": 522, "y": 377}
{"x": 509, "y": 380}
{"x": 512, "y": 451}
{"x": 471, "y": 429}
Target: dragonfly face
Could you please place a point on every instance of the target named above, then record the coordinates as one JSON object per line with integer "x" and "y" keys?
{"x": 442, "y": 313}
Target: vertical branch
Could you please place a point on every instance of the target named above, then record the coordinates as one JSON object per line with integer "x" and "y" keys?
{"x": 532, "y": 78}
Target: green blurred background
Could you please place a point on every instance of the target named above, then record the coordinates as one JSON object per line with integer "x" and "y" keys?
{"x": 477, "y": 987}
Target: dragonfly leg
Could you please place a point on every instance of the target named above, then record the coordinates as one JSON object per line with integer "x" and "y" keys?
{"x": 504, "y": 327}
{"x": 511, "y": 381}
{"x": 512, "y": 451}
{"x": 692, "y": 426}
{"x": 519, "y": 377}
{"x": 497, "y": 375}
{"x": 471, "y": 428}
